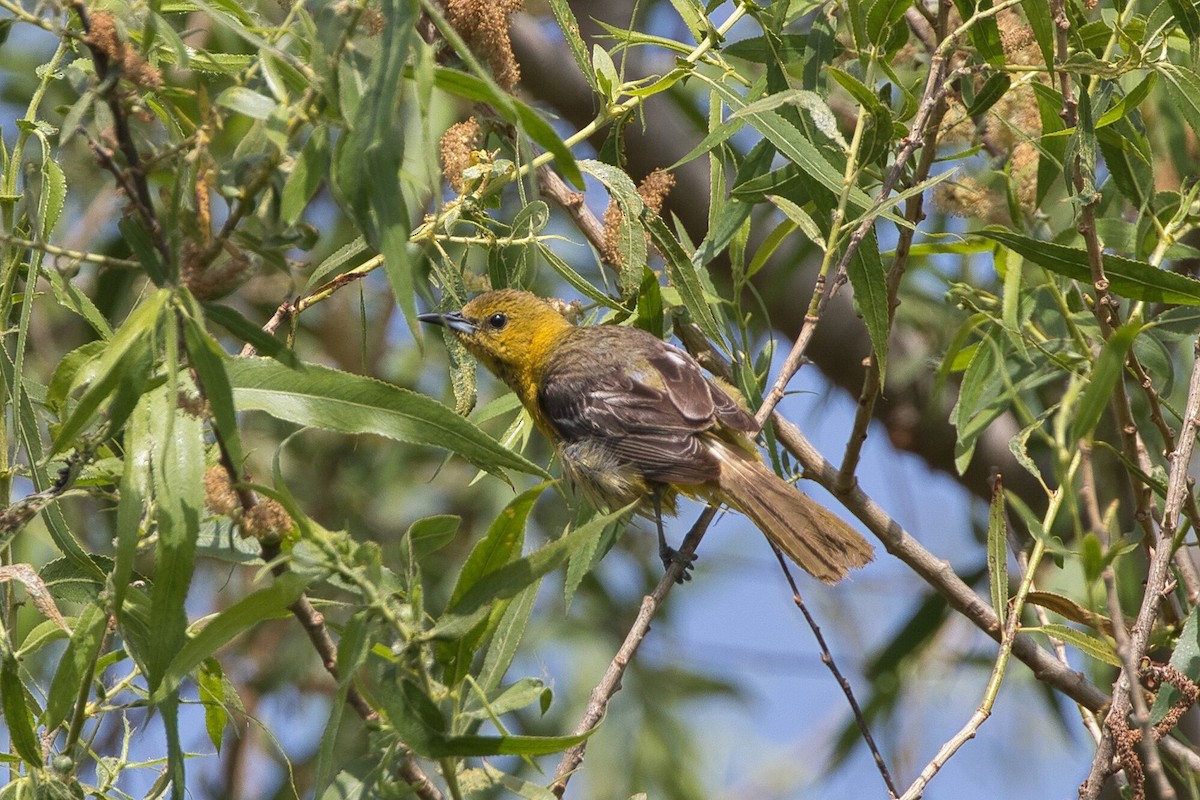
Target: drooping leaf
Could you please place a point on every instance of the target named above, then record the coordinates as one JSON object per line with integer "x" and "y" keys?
{"x": 321, "y": 397}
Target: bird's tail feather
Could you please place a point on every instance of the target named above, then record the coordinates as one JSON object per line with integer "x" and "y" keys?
{"x": 811, "y": 536}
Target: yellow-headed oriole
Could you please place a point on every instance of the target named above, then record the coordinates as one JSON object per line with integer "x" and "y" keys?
{"x": 634, "y": 418}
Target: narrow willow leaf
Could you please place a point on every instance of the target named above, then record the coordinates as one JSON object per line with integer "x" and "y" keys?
{"x": 333, "y": 265}
{"x": 997, "y": 551}
{"x": 353, "y": 649}
{"x": 1097, "y": 648}
{"x": 131, "y": 505}
{"x": 266, "y": 603}
{"x": 112, "y": 367}
{"x": 208, "y": 359}
{"x": 410, "y": 712}
{"x": 75, "y": 668}
{"x": 1068, "y": 608}
{"x": 21, "y": 736}
{"x": 212, "y": 686}
{"x": 869, "y": 281}
{"x": 514, "y": 111}
{"x": 1102, "y": 382}
{"x": 792, "y": 144}
{"x": 1136, "y": 280}
{"x": 515, "y": 576}
{"x": 325, "y": 398}
{"x": 264, "y": 344}
{"x": 1183, "y": 87}
{"x": 500, "y": 546}
{"x": 177, "y": 466}
{"x": 175, "y": 755}
{"x": 686, "y": 280}
{"x": 306, "y": 176}
{"x": 631, "y": 232}
{"x": 506, "y": 638}
{"x": 800, "y": 218}
{"x": 570, "y": 32}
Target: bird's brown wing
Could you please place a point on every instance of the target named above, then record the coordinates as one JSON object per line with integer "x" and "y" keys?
{"x": 645, "y": 402}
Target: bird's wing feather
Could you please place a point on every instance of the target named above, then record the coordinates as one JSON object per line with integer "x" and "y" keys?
{"x": 648, "y": 407}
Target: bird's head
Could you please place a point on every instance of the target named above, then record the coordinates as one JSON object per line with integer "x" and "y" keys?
{"x": 509, "y": 331}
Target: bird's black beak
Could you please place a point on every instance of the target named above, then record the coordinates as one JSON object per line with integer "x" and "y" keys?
{"x": 454, "y": 320}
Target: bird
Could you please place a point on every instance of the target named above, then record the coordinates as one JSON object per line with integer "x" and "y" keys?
{"x": 634, "y": 419}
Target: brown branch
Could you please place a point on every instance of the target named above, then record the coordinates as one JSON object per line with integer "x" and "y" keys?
{"x": 556, "y": 189}
{"x": 1126, "y": 693}
{"x": 610, "y": 683}
{"x": 1156, "y": 581}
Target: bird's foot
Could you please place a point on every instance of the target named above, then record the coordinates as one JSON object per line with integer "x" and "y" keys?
{"x": 670, "y": 555}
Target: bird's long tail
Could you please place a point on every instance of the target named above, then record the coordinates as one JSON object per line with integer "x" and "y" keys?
{"x": 811, "y": 536}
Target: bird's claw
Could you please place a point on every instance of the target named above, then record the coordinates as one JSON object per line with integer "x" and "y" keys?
{"x": 670, "y": 555}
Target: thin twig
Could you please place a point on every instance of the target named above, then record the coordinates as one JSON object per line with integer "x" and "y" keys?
{"x": 935, "y": 571}
{"x": 109, "y": 262}
{"x": 827, "y": 659}
{"x": 934, "y": 90}
{"x": 133, "y": 176}
{"x": 610, "y": 683}
{"x": 1156, "y": 578}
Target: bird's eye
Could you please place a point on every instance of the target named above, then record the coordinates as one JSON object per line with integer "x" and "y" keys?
{"x": 498, "y": 321}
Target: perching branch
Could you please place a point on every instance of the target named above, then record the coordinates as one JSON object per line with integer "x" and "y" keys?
{"x": 610, "y": 683}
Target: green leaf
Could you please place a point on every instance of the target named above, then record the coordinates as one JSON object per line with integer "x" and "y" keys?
{"x": 1183, "y": 87}
{"x": 501, "y": 546}
{"x": 325, "y": 398}
{"x": 631, "y": 234}
{"x": 113, "y": 366}
{"x": 177, "y": 467}
{"x": 869, "y": 281}
{"x": 881, "y": 16}
{"x": 263, "y": 343}
{"x": 604, "y": 73}
{"x": 417, "y": 721}
{"x": 687, "y": 279}
{"x": 266, "y": 603}
{"x": 131, "y": 505}
{"x": 1187, "y": 17}
{"x": 21, "y": 736}
{"x": 792, "y": 144}
{"x": 997, "y": 552}
{"x": 75, "y": 668}
{"x": 213, "y": 689}
{"x": 985, "y": 33}
{"x": 569, "y": 27}
{"x": 992, "y": 90}
{"x": 247, "y": 101}
{"x": 505, "y": 640}
{"x": 430, "y": 534}
{"x": 515, "y": 576}
{"x": 1103, "y": 381}
{"x": 1136, "y": 280}
{"x": 209, "y": 360}
{"x": 574, "y": 279}
{"x": 306, "y": 176}
{"x": 514, "y": 111}
{"x": 1087, "y": 644}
